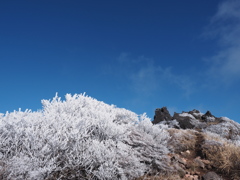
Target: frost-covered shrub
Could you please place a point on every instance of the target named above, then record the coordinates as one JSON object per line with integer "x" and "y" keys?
{"x": 149, "y": 142}
{"x": 210, "y": 119}
{"x": 80, "y": 138}
{"x": 171, "y": 124}
{"x": 226, "y": 128}
{"x": 237, "y": 141}
{"x": 182, "y": 140}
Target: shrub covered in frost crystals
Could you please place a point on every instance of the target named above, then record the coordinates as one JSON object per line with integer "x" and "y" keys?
{"x": 80, "y": 138}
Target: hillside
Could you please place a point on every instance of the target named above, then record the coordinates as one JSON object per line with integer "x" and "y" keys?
{"x": 202, "y": 146}
{"x": 82, "y": 138}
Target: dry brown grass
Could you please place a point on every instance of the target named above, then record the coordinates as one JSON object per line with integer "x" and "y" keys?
{"x": 160, "y": 177}
{"x": 224, "y": 155}
{"x": 212, "y": 123}
{"x": 182, "y": 140}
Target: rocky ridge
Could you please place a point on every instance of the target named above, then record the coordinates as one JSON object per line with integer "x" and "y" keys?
{"x": 203, "y": 147}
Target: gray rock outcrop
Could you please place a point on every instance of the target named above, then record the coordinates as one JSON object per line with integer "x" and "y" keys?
{"x": 161, "y": 114}
{"x": 185, "y": 121}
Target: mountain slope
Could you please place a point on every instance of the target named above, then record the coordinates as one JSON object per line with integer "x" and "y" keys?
{"x": 82, "y": 138}
{"x": 202, "y": 145}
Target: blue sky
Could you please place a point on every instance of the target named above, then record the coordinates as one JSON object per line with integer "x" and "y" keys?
{"x": 137, "y": 54}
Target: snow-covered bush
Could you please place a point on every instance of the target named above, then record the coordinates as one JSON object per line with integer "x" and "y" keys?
{"x": 182, "y": 140}
{"x": 227, "y": 128}
{"x": 80, "y": 138}
{"x": 171, "y": 124}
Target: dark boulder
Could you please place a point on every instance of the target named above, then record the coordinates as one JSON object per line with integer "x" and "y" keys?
{"x": 185, "y": 122}
{"x": 161, "y": 114}
{"x": 208, "y": 115}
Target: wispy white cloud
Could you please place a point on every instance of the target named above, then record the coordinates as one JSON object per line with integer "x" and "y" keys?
{"x": 225, "y": 25}
{"x": 147, "y": 78}
{"x": 144, "y": 80}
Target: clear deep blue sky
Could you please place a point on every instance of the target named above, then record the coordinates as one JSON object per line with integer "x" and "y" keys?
{"x": 136, "y": 54}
